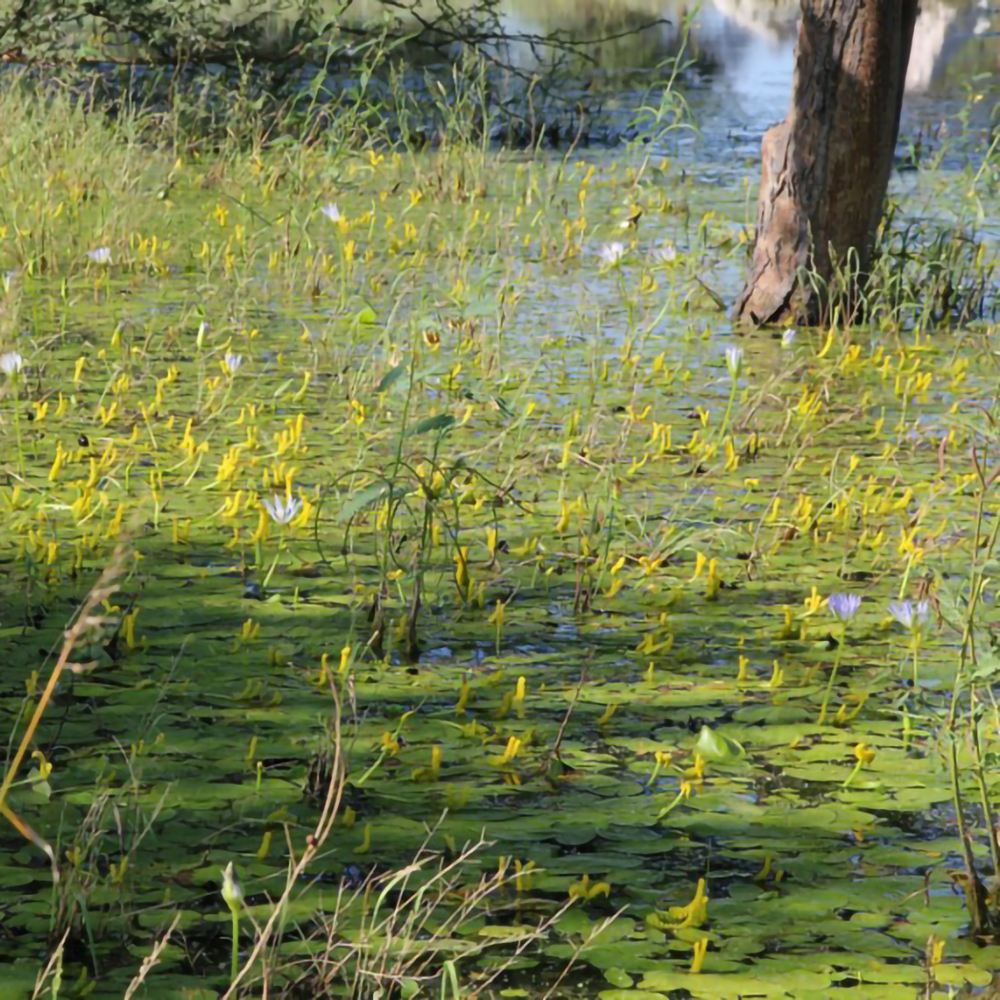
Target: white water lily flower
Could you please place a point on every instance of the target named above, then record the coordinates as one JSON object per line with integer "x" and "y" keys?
{"x": 232, "y": 362}
{"x": 734, "y": 361}
{"x": 102, "y": 255}
{"x": 232, "y": 891}
{"x": 332, "y": 212}
{"x": 611, "y": 253}
{"x": 11, "y": 362}
{"x": 666, "y": 254}
{"x": 283, "y": 511}
{"x": 788, "y": 338}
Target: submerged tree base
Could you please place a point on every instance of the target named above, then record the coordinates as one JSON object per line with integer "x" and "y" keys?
{"x": 826, "y": 168}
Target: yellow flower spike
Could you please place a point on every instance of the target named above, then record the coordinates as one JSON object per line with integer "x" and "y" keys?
{"x": 696, "y": 912}
{"x": 741, "y": 676}
{"x": 699, "y": 565}
{"x": 698, "y": 955}
{"x": 562, "y": 522}
{"x": 605, "y": 718}
{"x": 777, "y": 676}
{"x": 463, "y": 697}
{"x": 130, "y": 628}
{"x": 578, "y": 890}
{"x": 934, "y": 950}
{"x": 365, "y": 846}
{"x": 714, "y": 583}
{"x": 56, "y": 463}
{"x": 345, "y": 659}
{"x": 864, "y": 757}
{"x": 732, "y": 459}
{"x": 436, "y": 760}
{"x": 697, "y": 771}
{"x": 265, "y": 845}
{"x": 661, "y": 759}
{"x": 522, "y": 876}
{"x": 788, "y": 630}
{"x": 765, "y": 871}
{"x": 306, "y": 379}
{"x": 44, "y": 766}
{"x": 511, "y": 751}
{"x": 813, "y": 602}
{"x": 462, "y": 578}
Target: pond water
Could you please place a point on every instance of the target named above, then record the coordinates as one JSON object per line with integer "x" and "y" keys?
{"x": 558, "y": 543}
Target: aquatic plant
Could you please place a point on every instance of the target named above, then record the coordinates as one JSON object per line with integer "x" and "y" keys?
{"x": 437, "y": 526}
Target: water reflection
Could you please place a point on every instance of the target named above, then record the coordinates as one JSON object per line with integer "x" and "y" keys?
{"x": 751, "y": 42}
{"x": 743, "y": 49}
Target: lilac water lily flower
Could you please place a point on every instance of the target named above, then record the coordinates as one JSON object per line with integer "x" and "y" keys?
{"x": 611, "y": 253}
{"x": 232, "y": 362}
{"x": 910, "y": 615}
{"x": 102, "y": 255}
{"x": 788, "y": 338}
{"x": 331, "y": 212}
{"x": 844, "y": 606}
{"x": 11, "y": 362}
{"x": 666, "y": 254}
{"x": 734, "y": 361}
{"x": 282, "y": 511}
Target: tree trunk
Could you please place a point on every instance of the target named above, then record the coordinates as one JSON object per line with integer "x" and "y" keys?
{"x": 826, "y": 166}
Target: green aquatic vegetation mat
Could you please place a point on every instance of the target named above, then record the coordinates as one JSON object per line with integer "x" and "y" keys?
{"x": 566, "y": 565}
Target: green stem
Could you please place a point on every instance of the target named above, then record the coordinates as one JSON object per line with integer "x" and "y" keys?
{"x": 729, "y": 410}
{"x": 274, "y": 563}
{"x": 984, "y": 797}
{"x": 17, "y": 426}
{"x": 236, "y": 945}
{"x": 852, "y": 775}
{"x": 975, "y": 903}
{"x": 833, "y": 674}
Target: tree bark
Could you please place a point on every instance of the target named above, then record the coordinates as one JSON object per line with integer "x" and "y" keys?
{"x": 826, "y": 167}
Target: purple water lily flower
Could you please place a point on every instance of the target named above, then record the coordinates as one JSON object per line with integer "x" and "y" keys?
{"x": 910, "y": 615}
{"x": 844, "y": 606}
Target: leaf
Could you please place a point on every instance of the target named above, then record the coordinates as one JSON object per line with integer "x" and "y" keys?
{"x": 391, "y": 376}
{"x": 364, "y": 498}
{"x": 627, "y": 994}
{"x": 715, "y": 746}
{"x": 439, "y": 423}
{"x": 508, "y": 931}
{"x": 619, "y": 978}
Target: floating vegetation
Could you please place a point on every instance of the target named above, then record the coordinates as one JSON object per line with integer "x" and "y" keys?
{"x": 484, "y": 615}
